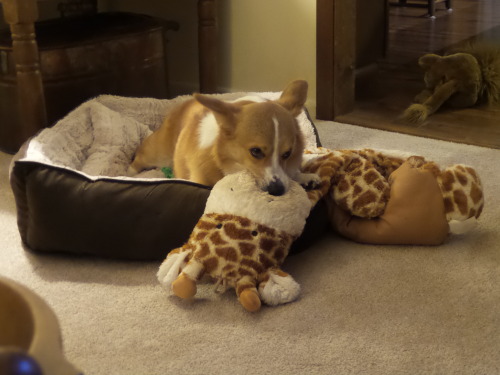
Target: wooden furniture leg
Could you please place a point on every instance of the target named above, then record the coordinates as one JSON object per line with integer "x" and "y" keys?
{"x": 207, "y": 45}
{"x": 335, "y": 57}
{"x": 21, "y": 15}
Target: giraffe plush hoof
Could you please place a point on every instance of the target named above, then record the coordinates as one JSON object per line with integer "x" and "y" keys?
{"x": 171, "y": 268}
{"x": 184, "y": 287}
{"x": 250, "y": 300}
{"x": 281, "y": 288}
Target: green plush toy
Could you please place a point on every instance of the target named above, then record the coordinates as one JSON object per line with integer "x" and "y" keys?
{"x": 168, "y": 172}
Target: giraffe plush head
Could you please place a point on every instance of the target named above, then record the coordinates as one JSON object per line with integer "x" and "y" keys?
{"x": 241, "y": 241}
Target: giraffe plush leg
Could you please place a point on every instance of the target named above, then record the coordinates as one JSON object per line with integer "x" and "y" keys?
{"x": 172, "y": 266}
{"x": 248, "y": 294}
{"x": 279, "y": 288}
{"x": 185, "y": 284}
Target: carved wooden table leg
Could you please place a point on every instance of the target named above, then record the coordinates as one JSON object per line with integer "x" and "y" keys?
{"x": 21, "y": 15}
{"x": 207, "y": 45}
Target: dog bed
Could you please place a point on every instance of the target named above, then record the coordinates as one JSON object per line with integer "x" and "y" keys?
{"x": 72, "y": 194}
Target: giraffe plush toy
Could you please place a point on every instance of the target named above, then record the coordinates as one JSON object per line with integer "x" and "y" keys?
{"x": 240, "y": 241}
{"x": 392, "y": 198}
{"x": 245, "y": 234}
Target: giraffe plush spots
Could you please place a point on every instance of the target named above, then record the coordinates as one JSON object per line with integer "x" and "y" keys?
{"x": 462, "y": 192}
{"x": 241, "y": 241}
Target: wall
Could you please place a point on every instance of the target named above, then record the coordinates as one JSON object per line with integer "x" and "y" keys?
{"x": 267, "y": 43}
{"x": 263, "y": 44}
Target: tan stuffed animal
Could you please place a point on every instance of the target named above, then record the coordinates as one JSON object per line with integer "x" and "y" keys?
{"x": 463, "y": 78}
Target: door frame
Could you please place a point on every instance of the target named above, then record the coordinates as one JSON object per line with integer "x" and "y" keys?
{"x": 335, "y": 57}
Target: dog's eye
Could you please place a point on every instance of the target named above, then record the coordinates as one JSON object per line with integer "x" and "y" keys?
{"x": 286, "y": 155}
{"x": 257, "y": 153}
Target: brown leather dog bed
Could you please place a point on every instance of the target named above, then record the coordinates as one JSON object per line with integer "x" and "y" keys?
{"x": 72, "y": 196}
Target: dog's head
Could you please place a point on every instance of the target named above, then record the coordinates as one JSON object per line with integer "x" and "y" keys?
{"x": 261, "y": 137}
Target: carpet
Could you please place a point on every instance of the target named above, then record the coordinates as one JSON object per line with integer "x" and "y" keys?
{"x": 363, "y": 309}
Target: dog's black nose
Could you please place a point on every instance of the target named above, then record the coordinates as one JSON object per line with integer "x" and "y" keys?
{"x": 276, "y": 188}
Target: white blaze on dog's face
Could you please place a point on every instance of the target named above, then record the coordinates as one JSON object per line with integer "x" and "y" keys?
{"x": 268, "y": 143}
{"x": 263, "y": 138}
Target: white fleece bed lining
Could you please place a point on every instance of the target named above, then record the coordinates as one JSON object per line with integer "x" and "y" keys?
{"x": 98, "y": 139}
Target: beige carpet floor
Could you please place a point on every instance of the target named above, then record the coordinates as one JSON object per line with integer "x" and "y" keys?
{"x": 363, "y": 309}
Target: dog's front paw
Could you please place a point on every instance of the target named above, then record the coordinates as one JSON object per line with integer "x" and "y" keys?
{"x": 309, "y": 181}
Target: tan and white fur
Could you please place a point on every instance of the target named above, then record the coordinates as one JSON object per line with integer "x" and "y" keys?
{"x": 205, "y": 139}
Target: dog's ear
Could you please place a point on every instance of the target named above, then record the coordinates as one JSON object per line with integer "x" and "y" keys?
{"x": 294, "y": 96}
{"x": 224, "y": 112}
{"x": 216, "y": 105}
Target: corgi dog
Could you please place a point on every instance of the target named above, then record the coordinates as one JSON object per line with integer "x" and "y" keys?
{"x": 205, "y": 139}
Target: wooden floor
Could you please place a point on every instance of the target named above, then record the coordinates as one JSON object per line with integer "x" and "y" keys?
{"x": 382, "y": 96}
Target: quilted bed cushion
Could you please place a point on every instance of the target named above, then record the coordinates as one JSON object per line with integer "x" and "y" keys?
{"x": 72, "y": 196}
